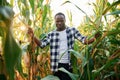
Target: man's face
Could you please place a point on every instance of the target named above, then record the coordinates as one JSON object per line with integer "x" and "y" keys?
{"x": 60, "y": 22}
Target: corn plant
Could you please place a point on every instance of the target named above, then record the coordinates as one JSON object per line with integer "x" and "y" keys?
{"x": 101, "y": 59}
{"x": 31, "y": 14}
{"x": 21, "y": 59}
{"x": 35, "y": 14}
{"x": 11, "y": 50}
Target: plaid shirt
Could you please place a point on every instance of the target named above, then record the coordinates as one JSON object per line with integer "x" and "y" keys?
{"x": 53, "y": 39}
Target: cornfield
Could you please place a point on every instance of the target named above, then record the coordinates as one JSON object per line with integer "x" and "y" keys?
{"x": 22, "y": 59}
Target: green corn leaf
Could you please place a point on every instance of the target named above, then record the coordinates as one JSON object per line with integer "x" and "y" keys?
{"x": 75, "y": 55}
{"x": 114, "y": 13}
{"x": 74, "y": 5}
{"x": 113, "y": 32}
{"x": 74, "y": 64}
{"x": 79, "y": 56}
{"x": 107, "y": 65}
{"x": 11, "y": 54}
{"x": 44, "y": 14}
{"x": 6, "y": 13}
{"x": 11, "y": 50}
{"x": 50, "y": 77}
{"x": 73, "y": 76}
{"x": 3, "y": 2}
{"x": 1, "y": 31}
{"x": 109, "y": 7}
{"x": 32, "y": 5}
{"x": 18, "y": 66}
{"x": 42, "y": 36}
{"x": 41, "y": 1}
{"x": 81, "y": 10}
{"x": 108, "y": 75}
{"x": 65, "y": 2}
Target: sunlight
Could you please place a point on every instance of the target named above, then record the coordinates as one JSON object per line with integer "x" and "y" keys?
{"x": 76, "y": 14}
{"x": 29, "y": 42}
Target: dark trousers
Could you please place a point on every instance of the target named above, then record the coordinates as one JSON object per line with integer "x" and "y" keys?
{"x": 62, "y": 75}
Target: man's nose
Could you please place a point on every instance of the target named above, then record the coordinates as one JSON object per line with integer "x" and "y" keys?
{"x": 59, "y": 22}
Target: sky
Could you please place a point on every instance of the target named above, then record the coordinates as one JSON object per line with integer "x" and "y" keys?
{"x": 77, "y": 15}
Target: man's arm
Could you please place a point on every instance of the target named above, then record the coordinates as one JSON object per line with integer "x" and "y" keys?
{"x": 92, "y": 39}
{"x": 38, "y": 42}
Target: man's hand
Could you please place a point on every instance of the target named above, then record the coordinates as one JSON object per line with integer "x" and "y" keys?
{"x": 98, "y": 34}
{"x": 30, "y": 32}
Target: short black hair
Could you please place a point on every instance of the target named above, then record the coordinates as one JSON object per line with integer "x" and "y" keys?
{"x": 59, "y": 14}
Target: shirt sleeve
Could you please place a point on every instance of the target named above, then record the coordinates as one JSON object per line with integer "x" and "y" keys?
{"x": 79, "y": 36}
{"x": 45, "y": 41}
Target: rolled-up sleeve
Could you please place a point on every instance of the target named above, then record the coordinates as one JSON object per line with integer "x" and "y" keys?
{"x": 45, "y": 41}
{"x": 79, "y": 36}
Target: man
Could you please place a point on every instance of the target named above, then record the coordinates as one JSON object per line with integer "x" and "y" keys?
{"x": 61, "y": 40}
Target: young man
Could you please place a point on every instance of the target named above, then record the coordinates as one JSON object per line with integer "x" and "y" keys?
{"x": 60, "y": 41}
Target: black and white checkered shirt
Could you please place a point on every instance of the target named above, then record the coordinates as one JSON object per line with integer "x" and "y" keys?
{"x": 53, "y": 39}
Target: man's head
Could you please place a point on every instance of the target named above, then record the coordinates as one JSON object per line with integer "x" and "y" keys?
{"x": 60, "y": 21}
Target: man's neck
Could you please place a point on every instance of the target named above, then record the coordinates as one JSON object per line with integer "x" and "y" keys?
{"x": 61, "y": 29}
